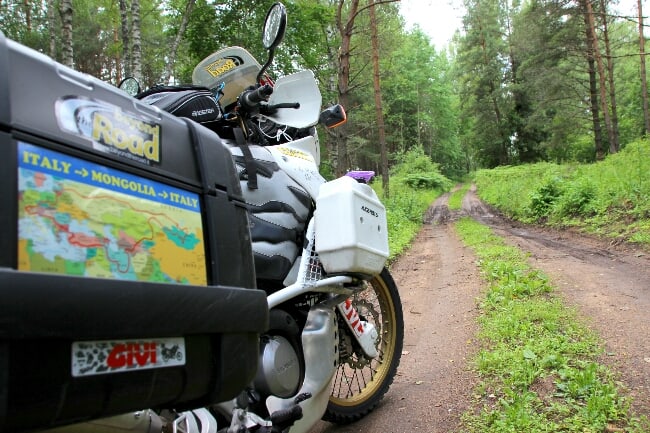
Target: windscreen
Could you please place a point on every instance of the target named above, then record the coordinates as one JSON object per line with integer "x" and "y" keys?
{"x": 234, "y": 67}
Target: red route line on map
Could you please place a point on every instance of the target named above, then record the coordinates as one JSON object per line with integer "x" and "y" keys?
{"x": 77, "y": 240}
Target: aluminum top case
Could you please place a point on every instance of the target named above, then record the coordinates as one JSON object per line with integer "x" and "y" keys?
{"x": 126, "y": 271}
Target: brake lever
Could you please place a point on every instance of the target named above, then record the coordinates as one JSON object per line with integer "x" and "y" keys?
{"x": 295, "y": 105}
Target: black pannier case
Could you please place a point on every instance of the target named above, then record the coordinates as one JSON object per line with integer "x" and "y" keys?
{"x": 126, "y": 271}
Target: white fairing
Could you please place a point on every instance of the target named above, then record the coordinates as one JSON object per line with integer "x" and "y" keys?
{"x": 302, "y": 88}
{"x": 320, "y": 343}
{"x": 298, "y": 159}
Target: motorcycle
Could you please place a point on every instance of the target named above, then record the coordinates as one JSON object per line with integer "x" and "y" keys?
{"x": 335, "y": 324}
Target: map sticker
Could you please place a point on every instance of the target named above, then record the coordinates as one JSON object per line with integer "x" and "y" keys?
{"x": 76, "y": 217}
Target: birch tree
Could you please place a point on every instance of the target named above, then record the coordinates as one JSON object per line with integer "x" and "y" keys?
{"x": 51, "y": 21}
{"x": 137, "y": 42}
{"x": 644, "y": 81}
{"x": 66, "y": 19}
{"x": 125, "y": 32}
{"x": 169, "y": 70}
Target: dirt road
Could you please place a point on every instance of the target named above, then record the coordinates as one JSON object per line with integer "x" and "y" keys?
{"x": 439, "y": 282}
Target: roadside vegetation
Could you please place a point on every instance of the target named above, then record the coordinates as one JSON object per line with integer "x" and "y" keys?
{"x": 456, "y": 198}
{"x": 538, "y": 365}
{"x": 609, "y": 198}
{"x": 414, "y": 184}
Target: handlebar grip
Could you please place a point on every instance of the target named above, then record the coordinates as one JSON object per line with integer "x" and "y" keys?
{"x": 258, "y": 95}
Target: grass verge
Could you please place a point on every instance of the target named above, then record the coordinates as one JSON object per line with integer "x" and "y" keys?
{"x": 456, "y": 198}
{"x": 610, "y": 198}
{"x": 537, "y": 363}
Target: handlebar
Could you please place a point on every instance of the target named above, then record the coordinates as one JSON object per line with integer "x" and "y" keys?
{"x": 251, "y": 99}
{"x": 295, "y": 105}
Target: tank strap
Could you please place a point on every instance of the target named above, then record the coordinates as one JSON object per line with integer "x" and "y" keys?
{"x": 249, "y": 163}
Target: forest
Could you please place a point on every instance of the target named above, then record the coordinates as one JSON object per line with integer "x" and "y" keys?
{"x": 539, "y": 104}
{"x": 522, "y": 81}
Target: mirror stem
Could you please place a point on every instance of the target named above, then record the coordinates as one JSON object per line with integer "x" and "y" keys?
{"x": 266, "y": 65}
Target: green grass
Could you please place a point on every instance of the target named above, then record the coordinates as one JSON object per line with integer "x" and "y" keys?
{"x": 414, "y": 184}
{"x": 404, "y": 210}
{"x": 456, "y": 197}
{"x": 538, "y": 364}
{"x": 610, "y": 198}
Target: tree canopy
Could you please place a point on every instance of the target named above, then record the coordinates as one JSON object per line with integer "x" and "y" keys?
{"x": 522, "y": 81}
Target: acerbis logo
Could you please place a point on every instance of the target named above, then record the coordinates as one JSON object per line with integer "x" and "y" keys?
{"x": 366, "y": 209}
{"x": 352, "y": 316}
{"x": 197, "y": 113}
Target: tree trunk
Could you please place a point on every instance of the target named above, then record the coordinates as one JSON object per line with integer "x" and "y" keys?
{"x": 503, "y": 147}
{"x": 378, "y": 103}
{"x": 345, "y": 30}
{"x": 66, "y": 19}
{"x": 644, "y": 82}
{"x": 51, "y": 22}
{"x": 177, "y": 41}
{"x": 332, "y": 137}
{"x": 593, "y": 86}
{"x": 118, "y": 61}
{"x": 28, "y": 16}
{"x": 615, "y": 143}
{"x": 126, "y": 37}
{"x": 595, "y": 111}
{"x": 601, "y": 76}
{"x": 137, "y": 43}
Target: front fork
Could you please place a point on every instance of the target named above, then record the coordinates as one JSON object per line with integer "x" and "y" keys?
{"x": 366, "y": 334}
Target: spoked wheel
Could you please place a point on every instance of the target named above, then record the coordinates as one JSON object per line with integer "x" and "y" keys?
{"x": 360, "y": 383}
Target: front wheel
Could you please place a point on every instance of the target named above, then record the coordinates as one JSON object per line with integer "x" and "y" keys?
{"x": 360, "y": 383}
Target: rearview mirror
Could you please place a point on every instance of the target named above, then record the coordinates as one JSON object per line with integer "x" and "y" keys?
{"x": 274, "y": 26}
{"x": 130, "y": 85}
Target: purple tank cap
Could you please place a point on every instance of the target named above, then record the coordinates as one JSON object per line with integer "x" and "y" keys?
{"x": 361, "y": 175}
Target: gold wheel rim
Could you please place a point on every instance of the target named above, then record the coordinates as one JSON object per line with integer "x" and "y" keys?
{"x": 353, "y": 386}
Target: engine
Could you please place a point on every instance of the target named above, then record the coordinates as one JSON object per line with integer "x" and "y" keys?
{"x": 281, "y": 366}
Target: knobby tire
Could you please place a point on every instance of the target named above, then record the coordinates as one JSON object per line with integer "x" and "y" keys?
{"x": 359, "y": 384}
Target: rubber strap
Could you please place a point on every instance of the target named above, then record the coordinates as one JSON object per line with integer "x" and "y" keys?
{"x": 251, "y": 167}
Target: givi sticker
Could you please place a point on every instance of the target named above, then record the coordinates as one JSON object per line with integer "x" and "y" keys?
{"x": 91, "y": 358}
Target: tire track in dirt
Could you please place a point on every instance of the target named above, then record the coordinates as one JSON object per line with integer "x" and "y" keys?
{"x": 608, "y": 284}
